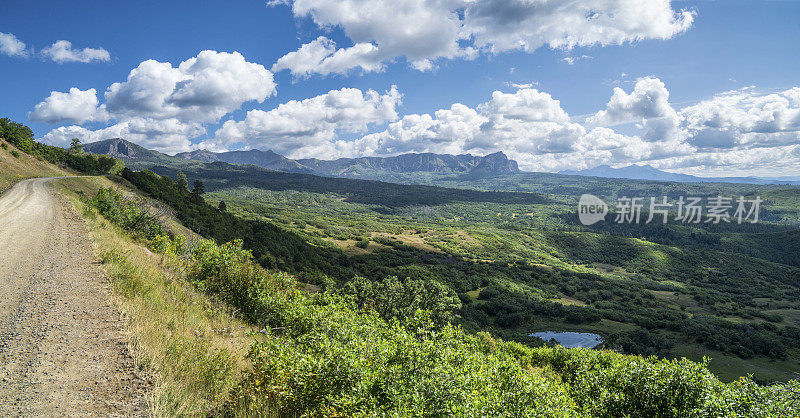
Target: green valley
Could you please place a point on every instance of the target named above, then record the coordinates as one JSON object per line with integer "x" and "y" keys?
{"x": 520, "y": 262}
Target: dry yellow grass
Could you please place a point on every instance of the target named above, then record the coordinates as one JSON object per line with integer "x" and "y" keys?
{"x": 193, "y": 346}
{"x": 409, "y": 239}
{"x": 13, "y": 169}
{"x": 349, "y": 246}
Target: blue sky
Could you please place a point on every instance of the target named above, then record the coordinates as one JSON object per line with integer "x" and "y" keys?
{"x": 706, "y": 87}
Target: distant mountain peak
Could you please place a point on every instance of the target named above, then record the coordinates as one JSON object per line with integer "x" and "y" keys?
{"x": 117, "y": 147}
{"x": 496, "y": 163}
{"x": 265, "y": 159}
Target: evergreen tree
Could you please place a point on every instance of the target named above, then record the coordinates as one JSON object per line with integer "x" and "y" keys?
{"x": 198, "y": 188}
{"x": 183, "y": 183}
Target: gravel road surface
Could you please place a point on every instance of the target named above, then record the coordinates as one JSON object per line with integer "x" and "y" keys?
{"x": 62, "y": 346}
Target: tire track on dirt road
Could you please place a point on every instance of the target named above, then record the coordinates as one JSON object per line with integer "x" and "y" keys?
{"x": 62, "y": 347}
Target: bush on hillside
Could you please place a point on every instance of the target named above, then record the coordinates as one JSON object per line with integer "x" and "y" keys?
{"x": 324, "y": 355}
{"x": 129, "y": 213}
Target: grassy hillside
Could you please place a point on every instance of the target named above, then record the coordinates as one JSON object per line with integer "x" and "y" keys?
{"x": 16, "y": 165}
{"x": 192, "y": 346}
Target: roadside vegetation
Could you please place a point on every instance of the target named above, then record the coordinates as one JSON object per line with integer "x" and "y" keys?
{"x": 21, "y": 137}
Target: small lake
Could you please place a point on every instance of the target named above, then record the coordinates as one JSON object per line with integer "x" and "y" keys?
{"x": 571, "y": 339}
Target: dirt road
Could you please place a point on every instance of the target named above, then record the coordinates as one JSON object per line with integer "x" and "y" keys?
{"x": 62, "y": 349}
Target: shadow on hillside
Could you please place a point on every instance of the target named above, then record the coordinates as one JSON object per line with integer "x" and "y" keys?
{"x": 222, "y": 175}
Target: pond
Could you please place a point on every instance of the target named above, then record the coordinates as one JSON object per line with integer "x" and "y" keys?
{"x": 571, "y": 339}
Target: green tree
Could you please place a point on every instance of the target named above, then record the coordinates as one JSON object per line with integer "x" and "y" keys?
{"x": 198, "y": 188}
{"x": 222, "y": 206}
{"x": 75, "y": 146}
{"x": 183, "y": 183}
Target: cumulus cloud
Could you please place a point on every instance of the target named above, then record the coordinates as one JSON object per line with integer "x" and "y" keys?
{"x": 62, "y": 51}
{"x": 11, "y": 46}
{"x": 503, "y": 25}
{"x": 320, "y": 56}
{"x": 166, "y": 135}
{"x": 424, "y": 31}
{"x": 76, "y": 106}
{"x": 744, "y": 118}
{"x": 160, "y": 105}
{"x": 647, "y": 104}
{"x": 529, "y": 125}
{"x": 200, "y": 89}
{"x": 309, "y": 128}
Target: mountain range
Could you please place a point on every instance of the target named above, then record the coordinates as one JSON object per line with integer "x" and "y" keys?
{"x": 405, "y": 168}
{"x": 647, "y": 172}
{"x": 373, "y": 168}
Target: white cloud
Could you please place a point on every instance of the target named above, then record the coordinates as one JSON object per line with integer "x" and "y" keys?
{"x": 503, "y": 25}
{"x": 424, "y": 31}
{"x": 165, "y": 135}
{"x": 309, "y": 128}
{"x": 522, "y": 85}
{"x": 77, "y": 106}
{"x": 320, "y": 56}
{"x": 200, "y": 89}
{"x": 744, "y": 118}
{"x": 573, "y": 60}
{"x": 647, "y": 104}
{"x": 11, "y": 46}
{"x": 161, "y": 105}
{"x": 62, "y": 51}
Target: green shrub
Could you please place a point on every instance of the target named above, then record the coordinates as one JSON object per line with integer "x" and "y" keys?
{"x": 395, "y": 298}
{"x": 130, "y": 213}
{"x": 14, "y": 153}
{"x": 334, "y": 355}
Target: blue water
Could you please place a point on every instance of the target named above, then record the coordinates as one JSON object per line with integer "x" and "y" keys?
{"x": 571, "y": 339}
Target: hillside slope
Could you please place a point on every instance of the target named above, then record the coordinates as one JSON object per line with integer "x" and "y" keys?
{"x": 263, "y": 159}
{"x": 133, "y": 155}
{"x": 372, "y": 352}
{"x": 16, "y": 165}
